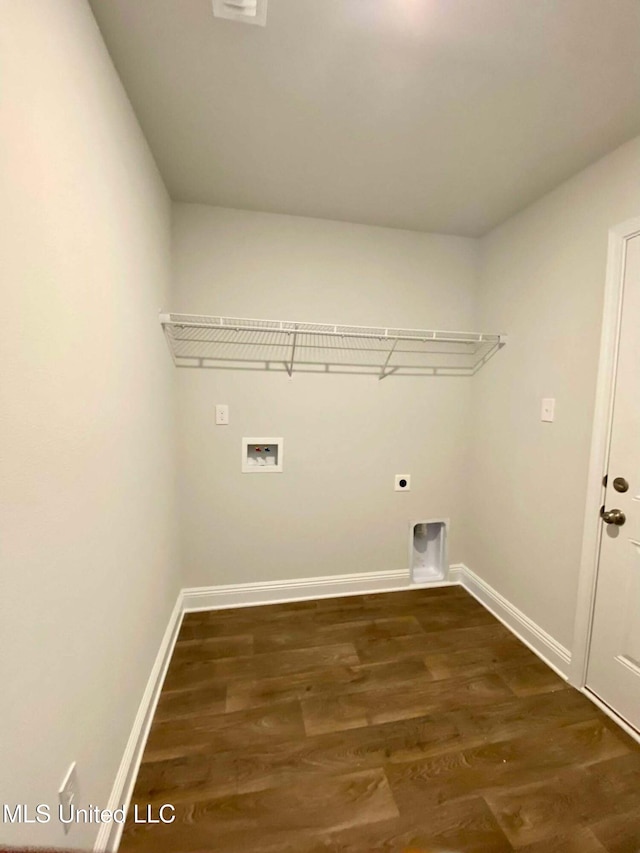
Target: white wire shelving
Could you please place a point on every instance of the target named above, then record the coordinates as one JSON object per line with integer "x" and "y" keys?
{"x": 237, "y": 343}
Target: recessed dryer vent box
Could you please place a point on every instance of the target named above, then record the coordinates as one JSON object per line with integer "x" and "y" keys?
{"x": 428, "y": 550}
{"x": 262, "y": 455}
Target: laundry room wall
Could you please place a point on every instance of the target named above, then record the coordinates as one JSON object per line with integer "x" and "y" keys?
{"x": 333, "y": 510}
{"x": 87, "y": 520}
{"x": 542, "y": 281}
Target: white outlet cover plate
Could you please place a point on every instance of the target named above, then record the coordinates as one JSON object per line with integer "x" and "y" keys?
{"x": 68, "y": 793}
{"x": 407, "y": 487}
{"x": 548, "y": 411}
{"x": 234, "y": 13}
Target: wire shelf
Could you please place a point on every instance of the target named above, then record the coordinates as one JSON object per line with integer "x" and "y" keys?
{"x": 239, "y": 343}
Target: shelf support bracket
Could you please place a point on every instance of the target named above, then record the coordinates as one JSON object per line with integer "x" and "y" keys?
{"x": 293, "y": 354}
{"x": 383, "y": 371}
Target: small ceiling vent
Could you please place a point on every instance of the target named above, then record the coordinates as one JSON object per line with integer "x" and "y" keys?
{"x": 245, "y": 11}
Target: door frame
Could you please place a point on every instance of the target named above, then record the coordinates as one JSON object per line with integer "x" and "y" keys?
{"x": 619, "y": 236}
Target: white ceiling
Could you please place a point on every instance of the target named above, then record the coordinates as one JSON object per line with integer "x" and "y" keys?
{"x": 435, "y": 115}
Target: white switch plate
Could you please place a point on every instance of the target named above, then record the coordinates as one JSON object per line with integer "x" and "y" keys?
{"x": 222, "y": 415}
{"x": 68, "y": 794}
{"x": 400, "y": 479}
{"x": 548, "y": 412}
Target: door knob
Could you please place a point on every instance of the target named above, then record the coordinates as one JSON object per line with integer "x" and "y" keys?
{"x": 613, "y": 516}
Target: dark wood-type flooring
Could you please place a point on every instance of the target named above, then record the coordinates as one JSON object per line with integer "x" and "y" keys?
{"x": 409, "y": 722}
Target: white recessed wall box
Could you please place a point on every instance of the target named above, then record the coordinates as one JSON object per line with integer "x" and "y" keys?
{"x": 262, "y": 455}
{"x": 428, "y": 550}
{"x": 244, "y": 11}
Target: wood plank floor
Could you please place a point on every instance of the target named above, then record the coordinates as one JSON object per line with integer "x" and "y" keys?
{"x": 409, "y": 722}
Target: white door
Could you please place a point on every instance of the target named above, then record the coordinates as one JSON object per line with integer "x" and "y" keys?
{"x": 614, "y": 657}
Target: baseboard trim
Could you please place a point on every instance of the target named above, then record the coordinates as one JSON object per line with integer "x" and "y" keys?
{"x": 299, "y": 589}
{"x": 109, "y": 834}
{"x": 525, "y": 629}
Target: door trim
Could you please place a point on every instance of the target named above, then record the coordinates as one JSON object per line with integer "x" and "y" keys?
{"x": 617, "y": 719}
{"x": 619, "y": 236}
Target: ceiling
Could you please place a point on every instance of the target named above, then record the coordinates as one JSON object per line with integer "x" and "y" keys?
{"x": 433, "y": 115}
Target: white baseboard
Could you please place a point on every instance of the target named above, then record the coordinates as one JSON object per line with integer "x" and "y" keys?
{"x": 333, "y": 586}
{"x": 299, "y": 589}
{"x": 525, "y": 629}
{"x": 109, "y": 834}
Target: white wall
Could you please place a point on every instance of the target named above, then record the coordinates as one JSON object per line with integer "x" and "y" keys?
{"x": 542, "y": 281}
{"x": 333, "y": 510}
{"x": 86, "y": 440}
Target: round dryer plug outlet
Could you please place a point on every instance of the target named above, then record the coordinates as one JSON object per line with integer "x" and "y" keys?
{"x": 403, "y": 483}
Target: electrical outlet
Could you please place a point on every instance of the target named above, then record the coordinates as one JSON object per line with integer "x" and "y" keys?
{"x": 68, "y": 794}
{"x": 403, "y": 483}
{"x": 222, "y": 415}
